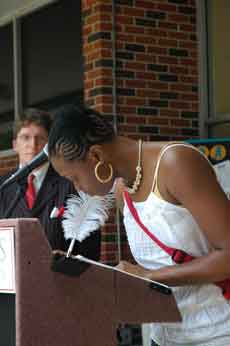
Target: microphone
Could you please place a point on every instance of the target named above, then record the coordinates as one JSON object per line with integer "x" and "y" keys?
{"x": 24, "y": 171}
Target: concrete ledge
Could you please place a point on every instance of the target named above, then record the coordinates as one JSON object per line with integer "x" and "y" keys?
{"x": 7, "y": 154}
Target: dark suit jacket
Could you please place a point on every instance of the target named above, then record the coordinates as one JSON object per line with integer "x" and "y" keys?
{"x": 53, "y": 192}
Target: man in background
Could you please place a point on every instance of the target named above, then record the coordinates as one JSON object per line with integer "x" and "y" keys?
{"x": 42, "y": 195}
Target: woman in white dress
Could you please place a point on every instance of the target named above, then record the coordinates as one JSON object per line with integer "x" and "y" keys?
{"x": 177, "y": 196}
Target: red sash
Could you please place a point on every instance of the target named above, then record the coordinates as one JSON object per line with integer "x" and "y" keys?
{"x": 178, "y": 256}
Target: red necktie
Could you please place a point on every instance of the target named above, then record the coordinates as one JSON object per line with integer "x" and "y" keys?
{"x": 30, "y": 192}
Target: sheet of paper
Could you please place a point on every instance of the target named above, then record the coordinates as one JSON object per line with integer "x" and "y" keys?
{"x": 7, "y": 260}
{"x": 163, "y": 288}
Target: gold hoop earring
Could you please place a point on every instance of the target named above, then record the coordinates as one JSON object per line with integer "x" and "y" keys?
{"x": 106, "y": 180}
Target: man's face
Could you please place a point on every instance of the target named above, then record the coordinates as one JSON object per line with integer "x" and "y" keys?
{"x": 29, "y": 142}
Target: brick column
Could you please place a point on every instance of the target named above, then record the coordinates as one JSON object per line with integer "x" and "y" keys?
{"x": 156, "y": 70}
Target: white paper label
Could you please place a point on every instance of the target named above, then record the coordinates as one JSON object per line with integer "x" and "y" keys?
{"x": 7, "y": 260}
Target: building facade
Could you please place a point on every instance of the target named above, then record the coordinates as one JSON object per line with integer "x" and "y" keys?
{"x": 138, "y": 65}
{"x": 155, "y": 68}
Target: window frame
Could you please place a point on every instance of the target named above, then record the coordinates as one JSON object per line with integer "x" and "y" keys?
{"x": 208, "y": 118}
{"x": 14, "y": 18}
{"x": 205, "y": 107}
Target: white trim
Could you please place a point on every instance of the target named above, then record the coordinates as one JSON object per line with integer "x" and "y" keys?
{"x": 24, "y": 10}
{"x": 210, "y": 63}
{"x": 203, "y": 69}
{"x": 145, "y": 329}
{"x": 17, "y": 59}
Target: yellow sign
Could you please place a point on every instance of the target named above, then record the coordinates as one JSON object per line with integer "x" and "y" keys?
{"x": 218, "y": 152}
{"x": 204, "y": 150}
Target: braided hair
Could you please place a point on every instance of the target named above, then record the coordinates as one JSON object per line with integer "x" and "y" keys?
{"x": 75, "y": 130}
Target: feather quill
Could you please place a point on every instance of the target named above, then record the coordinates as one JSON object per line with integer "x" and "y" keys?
{"x": 84, "y": 214}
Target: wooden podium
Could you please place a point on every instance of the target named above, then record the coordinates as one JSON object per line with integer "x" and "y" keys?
{"x": 53, "y": 309}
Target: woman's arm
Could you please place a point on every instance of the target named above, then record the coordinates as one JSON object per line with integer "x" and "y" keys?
{"x": 187, "y": 177}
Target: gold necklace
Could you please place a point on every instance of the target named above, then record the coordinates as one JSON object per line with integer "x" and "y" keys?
{"x": 138, "y": 178}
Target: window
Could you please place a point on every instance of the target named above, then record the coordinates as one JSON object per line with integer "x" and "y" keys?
{"x": 6, "y": 85}
{"x": 215, "y": 67}
{"x": 219, "y": 29}
{"x": 51, "y": 55}
{"x": 45, "y": 48}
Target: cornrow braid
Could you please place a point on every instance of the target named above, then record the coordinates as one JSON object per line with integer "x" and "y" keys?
{"x": 68, "y": 150}
{"x": 75, "y": 129}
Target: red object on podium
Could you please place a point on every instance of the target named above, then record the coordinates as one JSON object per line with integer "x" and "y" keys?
{"x": 53, "y": 309}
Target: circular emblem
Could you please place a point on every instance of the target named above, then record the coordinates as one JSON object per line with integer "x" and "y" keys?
{"x": 218, "y": 152}
{"x": 204, "y": 150}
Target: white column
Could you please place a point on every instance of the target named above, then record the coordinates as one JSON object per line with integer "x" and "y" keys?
{"x": 145, "y": 334}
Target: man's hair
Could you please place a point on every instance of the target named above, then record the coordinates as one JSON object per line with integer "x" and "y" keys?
{"x": 33, "y": 116}
{"x": 75, "y": 129}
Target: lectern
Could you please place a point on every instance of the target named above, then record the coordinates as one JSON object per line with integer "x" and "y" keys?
{"x": 53, "y": 309}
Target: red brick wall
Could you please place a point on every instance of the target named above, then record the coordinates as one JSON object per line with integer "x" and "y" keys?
{"x": 156, "y": 71}
{"x": 156, "y": 65}
{"x": 8, "y": 161}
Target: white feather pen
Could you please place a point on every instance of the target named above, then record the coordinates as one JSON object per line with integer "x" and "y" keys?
{"x": 83, "y": 215}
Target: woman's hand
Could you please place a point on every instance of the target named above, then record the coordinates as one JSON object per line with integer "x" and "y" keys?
{"x": 67, "y": 265}
{"x": 133, "y": 269}
{"x": 59, "y": 252}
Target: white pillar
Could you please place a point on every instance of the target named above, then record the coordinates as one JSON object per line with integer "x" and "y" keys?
{"x": 145, "y": 334}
